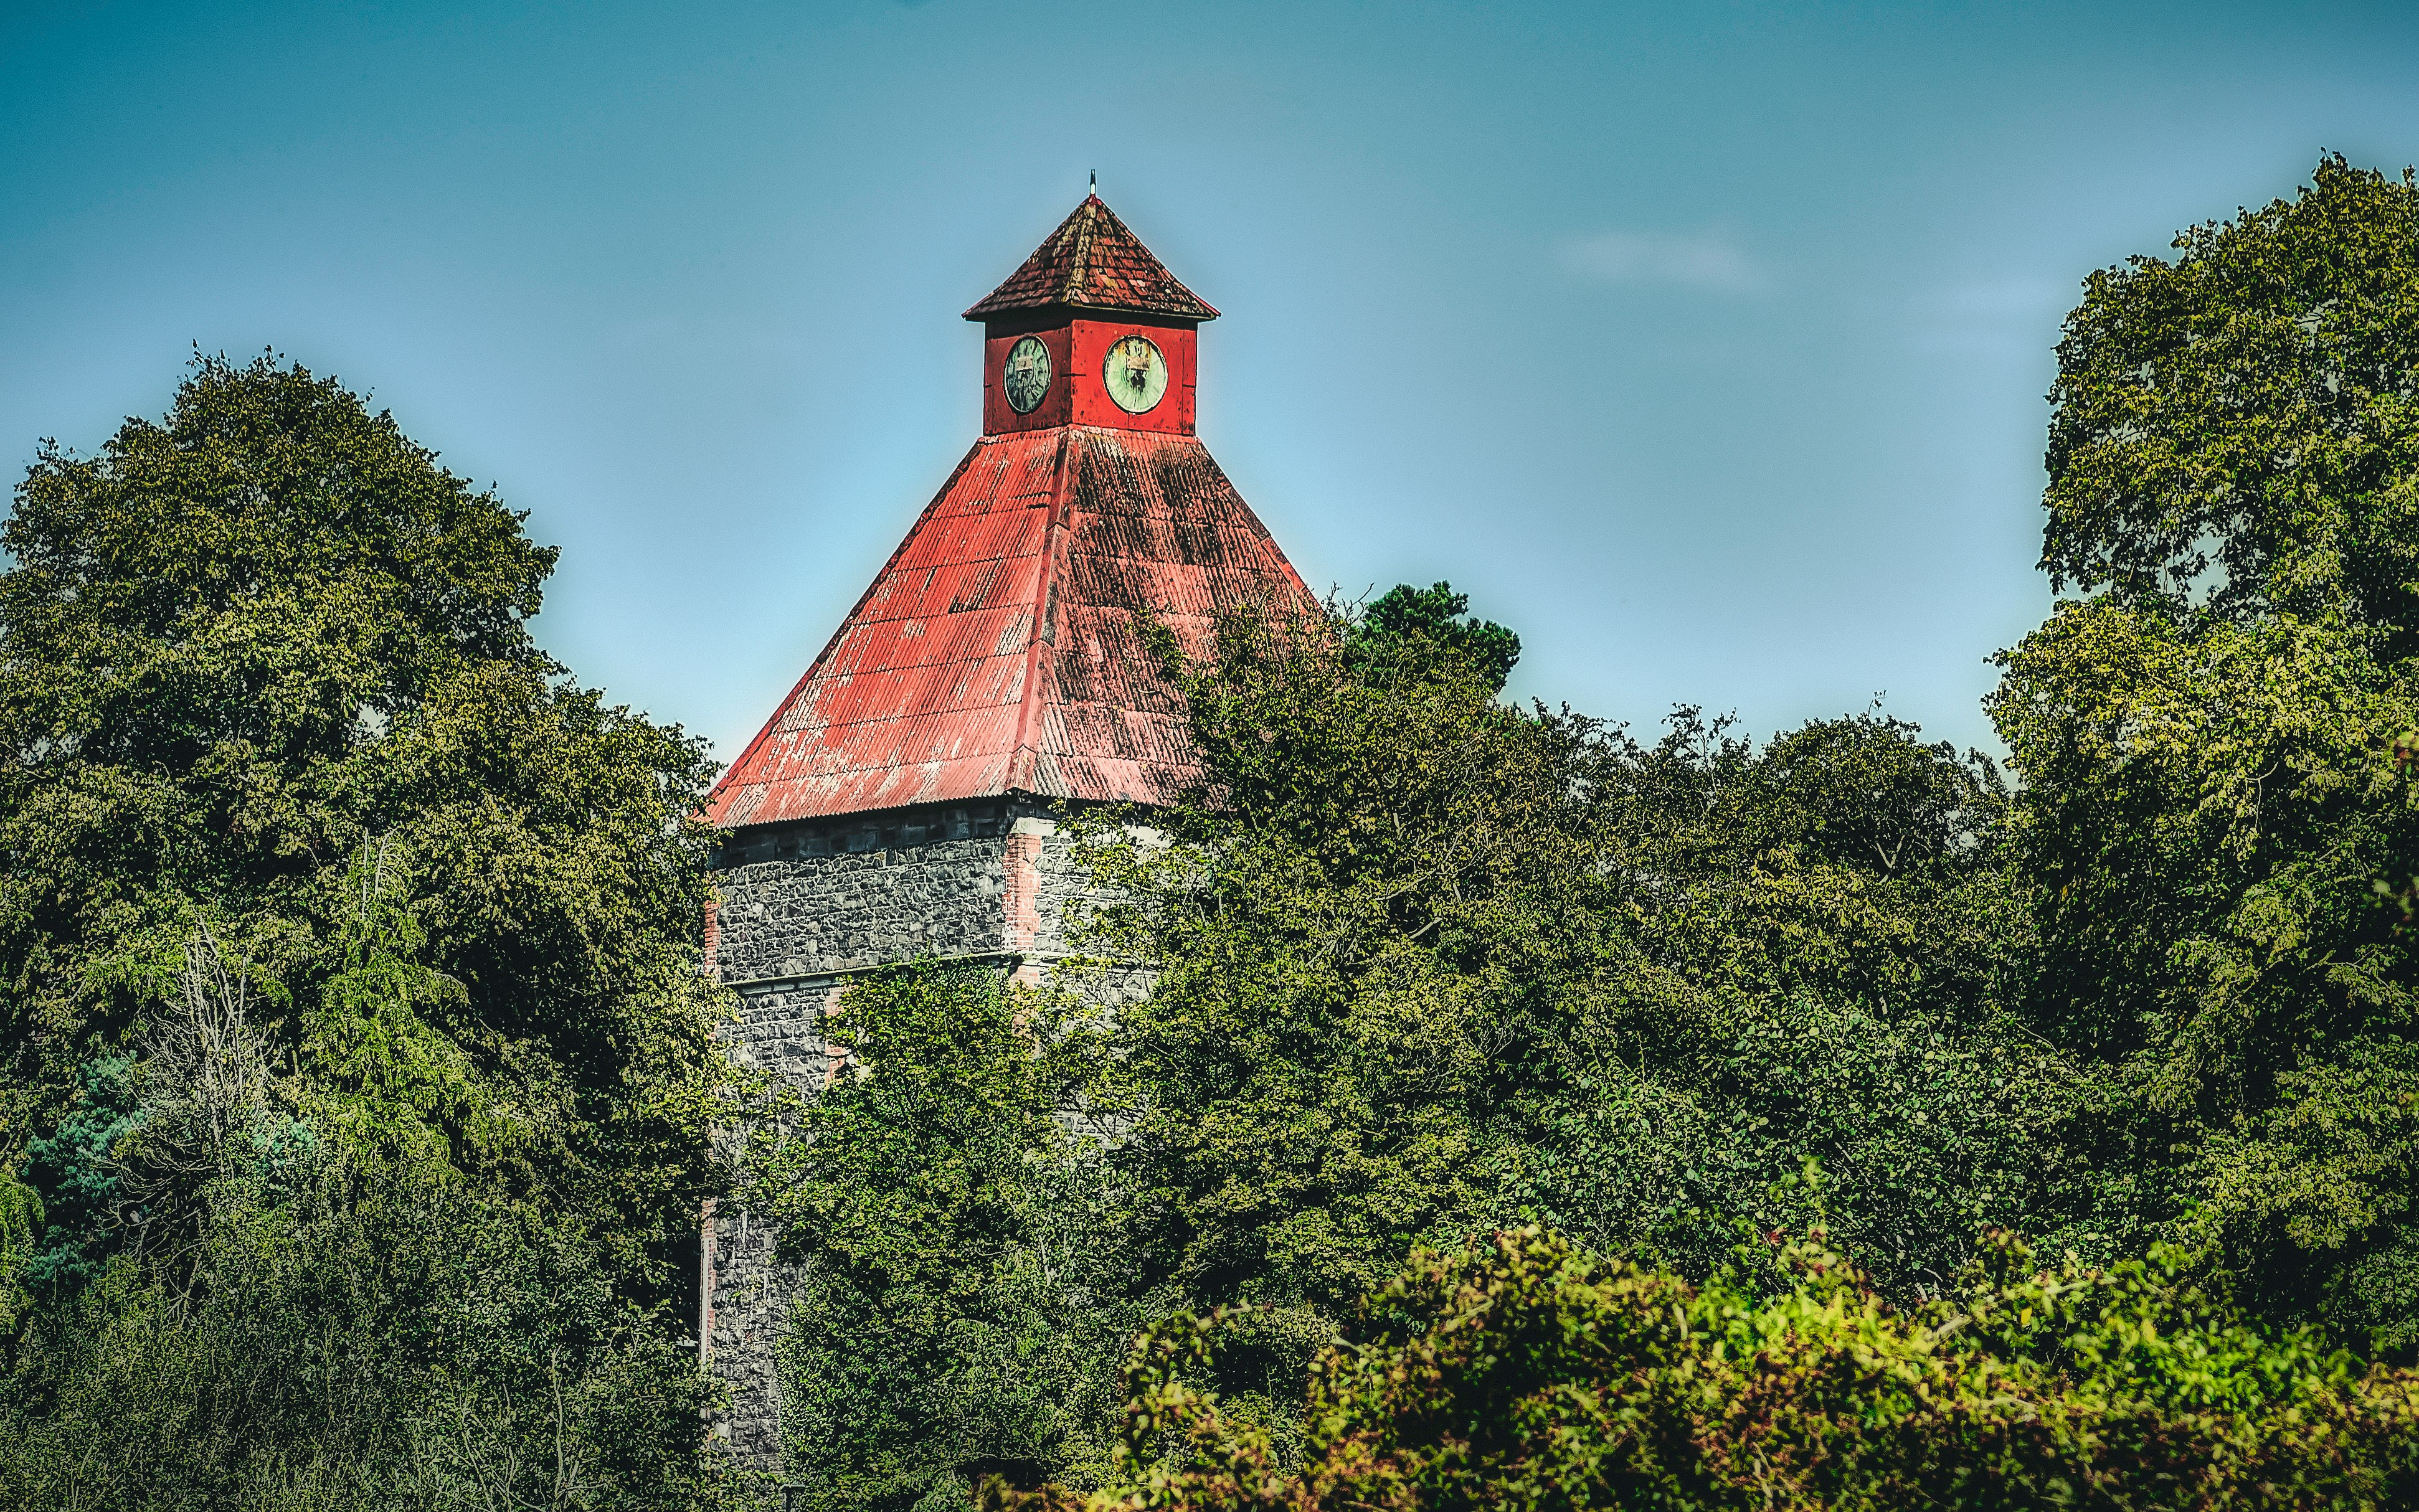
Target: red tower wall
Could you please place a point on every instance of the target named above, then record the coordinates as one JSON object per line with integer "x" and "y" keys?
{"x": 1078, "y": 347}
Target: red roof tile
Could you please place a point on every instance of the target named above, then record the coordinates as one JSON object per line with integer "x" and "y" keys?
{"x": 1093, "y": 262}
{"x": 999, "y": 650}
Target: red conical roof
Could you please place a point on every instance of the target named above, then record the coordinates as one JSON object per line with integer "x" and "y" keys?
{"x": 999, "y": 649}
{"x": 1093, "y": 262}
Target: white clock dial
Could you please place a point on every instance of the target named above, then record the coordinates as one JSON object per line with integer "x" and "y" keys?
{"x": 1026, "y": 376}
{"x": 1135, "y": 375}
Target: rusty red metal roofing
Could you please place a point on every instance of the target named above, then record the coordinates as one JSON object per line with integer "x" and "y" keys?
{"x": 999, "y": 649}
{"x": 1093, "y": 262}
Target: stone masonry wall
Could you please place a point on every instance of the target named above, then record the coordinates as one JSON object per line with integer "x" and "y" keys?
{"x": 803, "y": 907}
{"x": 798, "y": 900}
{"x": 780, "y": 1031}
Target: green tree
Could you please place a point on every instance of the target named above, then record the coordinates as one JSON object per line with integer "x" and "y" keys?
{"x": 238, "y": 647}
{"x": 2232, "y": 437}
{"x": 348, "y": 944}
{"x": 366, "y": 1338}
{"x": 1809, "y": 953}
{"x": 2204, "y": 739}
{"x": 21, "y": 1220}
{"x": 943, "y": 1201}
{"x": 1382, "y": 885}
{"x": 1407, "y": 627}
{"x": 1429, "y": 964}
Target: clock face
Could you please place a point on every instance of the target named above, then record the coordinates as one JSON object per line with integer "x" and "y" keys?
{"x": 1026, "y": 376}
{"x": 1135, "y": 375}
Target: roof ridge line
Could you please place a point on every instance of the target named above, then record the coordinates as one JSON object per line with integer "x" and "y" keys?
{"x": 1024, "y": 761}
{"x": 1079, "y": 266}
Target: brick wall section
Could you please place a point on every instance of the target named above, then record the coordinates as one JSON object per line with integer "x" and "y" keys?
{"x": 1020, "y": 896}
{"x": 1064, "y": 895}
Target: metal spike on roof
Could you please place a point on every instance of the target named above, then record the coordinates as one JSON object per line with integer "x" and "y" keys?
{"x": 1092, "y": 262}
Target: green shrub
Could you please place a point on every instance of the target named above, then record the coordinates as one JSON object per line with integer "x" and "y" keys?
{"x": 1524, "y": 1373}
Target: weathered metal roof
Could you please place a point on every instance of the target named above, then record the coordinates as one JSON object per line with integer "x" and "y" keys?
{"x": 1093, "y": 262}
{"x": 998, "y": 651}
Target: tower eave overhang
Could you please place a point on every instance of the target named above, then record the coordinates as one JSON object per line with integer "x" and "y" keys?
{"x": 1058, "y": 311}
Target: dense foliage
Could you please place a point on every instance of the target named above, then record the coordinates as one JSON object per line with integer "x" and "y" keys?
{"x": 2207, "y": 798}
{"x": 358, "y": 1066}
{"x": 942, "y": 1200}
{"x": 1523, "y": 1373}
{"x": 1427, "y": 965}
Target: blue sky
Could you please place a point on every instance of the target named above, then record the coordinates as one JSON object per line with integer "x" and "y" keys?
{"x": 1704, "y": 345}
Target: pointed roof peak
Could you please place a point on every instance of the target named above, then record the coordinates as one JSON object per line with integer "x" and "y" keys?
{"x": 1093, "y": 262}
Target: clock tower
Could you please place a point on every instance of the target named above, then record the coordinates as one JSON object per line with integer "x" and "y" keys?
{"x": 903, "y": 801}
{"x": 1092, "y": 331}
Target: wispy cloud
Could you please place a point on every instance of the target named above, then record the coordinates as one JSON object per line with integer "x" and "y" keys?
{"x": 2001, "y": 316}
{"x": 1701, "y": 260}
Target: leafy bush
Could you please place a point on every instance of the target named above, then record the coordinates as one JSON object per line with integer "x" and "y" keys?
{"x": 1526, "y": 1373}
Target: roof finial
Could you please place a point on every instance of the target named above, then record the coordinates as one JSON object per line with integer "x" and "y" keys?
{"x": 1096, "y": 182}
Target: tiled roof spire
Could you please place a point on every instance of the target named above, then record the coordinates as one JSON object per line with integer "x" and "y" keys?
{"x": 1004, "y": 648}
{"x": 1093, "y": 262}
